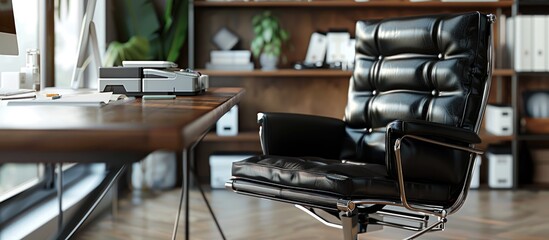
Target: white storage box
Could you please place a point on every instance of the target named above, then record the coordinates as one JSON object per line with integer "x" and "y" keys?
{"x": 499, "y": 120}
{"x": 500, "y": 167}
{"x": 228, "y": 124}
{"x": 220, "y": 168}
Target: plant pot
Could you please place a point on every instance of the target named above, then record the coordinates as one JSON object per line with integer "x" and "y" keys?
{"x": 268, "y": 62}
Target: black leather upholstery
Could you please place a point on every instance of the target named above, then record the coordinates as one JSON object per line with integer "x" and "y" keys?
{"x": 333, "y": 177}
{"x": 287, "y": 134}
{"x": 423, "y": 76}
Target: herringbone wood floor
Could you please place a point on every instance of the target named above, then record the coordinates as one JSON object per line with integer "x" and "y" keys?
{"x": 485, "y": 215}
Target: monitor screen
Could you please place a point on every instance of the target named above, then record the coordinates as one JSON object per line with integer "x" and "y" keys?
{"x": 8, "y": 39}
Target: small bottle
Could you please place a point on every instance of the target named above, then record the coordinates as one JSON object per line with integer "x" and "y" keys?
{"x": 32, "y": 70}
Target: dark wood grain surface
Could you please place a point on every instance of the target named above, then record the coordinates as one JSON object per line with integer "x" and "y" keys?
{"x": 130, "y": 126}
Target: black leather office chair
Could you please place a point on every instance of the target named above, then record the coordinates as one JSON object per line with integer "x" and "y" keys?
{"x": 415, "y": 105}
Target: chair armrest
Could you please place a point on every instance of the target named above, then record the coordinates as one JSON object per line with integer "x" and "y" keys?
{"x": 430, "y": 152}
{"x": 298, "y": 135}
{"x": 432, "y": 130}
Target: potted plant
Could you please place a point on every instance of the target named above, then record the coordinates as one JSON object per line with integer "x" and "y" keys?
{"x": 269, "y": 37}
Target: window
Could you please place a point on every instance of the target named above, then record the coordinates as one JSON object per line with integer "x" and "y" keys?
{"x": 15, "y": 178}
{"x": 68, "y": 24}
{"x": 23, "y": 186}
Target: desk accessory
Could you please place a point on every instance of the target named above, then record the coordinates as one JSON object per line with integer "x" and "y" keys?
{"x": 151, "y": 78}
{"x": 317, "y": 48}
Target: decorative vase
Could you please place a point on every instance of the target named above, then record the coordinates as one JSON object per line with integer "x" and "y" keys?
{"x": 268, "y": 62}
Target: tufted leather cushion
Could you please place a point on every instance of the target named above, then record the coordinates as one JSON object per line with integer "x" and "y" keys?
{"x": 336, "y": 178}
{"x": 431, "y": 68}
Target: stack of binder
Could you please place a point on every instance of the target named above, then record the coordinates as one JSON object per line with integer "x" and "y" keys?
{"x": 235, "y": 60}
{"x": 528, "y": 42}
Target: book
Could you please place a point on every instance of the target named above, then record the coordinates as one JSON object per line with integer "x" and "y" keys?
{"x": 230, "y": 57}
{"x": 230, "y": 67}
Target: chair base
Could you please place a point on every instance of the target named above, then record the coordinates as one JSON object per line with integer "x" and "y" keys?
{"x": 355, "y": 218}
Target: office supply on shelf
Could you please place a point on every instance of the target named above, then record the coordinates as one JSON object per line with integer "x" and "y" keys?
{"x": 316, "y": 52}
{"x": 151, "y": 78}
{"x": 499, "y": 119}
{"x": 522, "y": 28}
{"x": 337, "y": 46}
{"x": 539, "y": 42}
{"x": 224, "y": 39}
{"x": 89, "y": 99}
{"x": 228, "y": 124}
{"x": 500, "y": 167}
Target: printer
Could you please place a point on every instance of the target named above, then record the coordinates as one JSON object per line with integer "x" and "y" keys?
{"x": 138, "y": 78}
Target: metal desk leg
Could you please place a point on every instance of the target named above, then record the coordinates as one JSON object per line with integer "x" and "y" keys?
{"x": 91, "y": 203}
{"x": 182, "y": 157}
{"x": 60, "y": 197}
{"x": 187, "y": 158}
{"x": 197, "y": 181}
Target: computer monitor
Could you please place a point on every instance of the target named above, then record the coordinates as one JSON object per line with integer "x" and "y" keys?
{"x": 8, "y": 39}
{"x": 87, "y": 41}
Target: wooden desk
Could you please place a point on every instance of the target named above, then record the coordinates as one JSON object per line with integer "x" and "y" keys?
{"x": 135, "y": 127}
{"x": 118, "y": 133}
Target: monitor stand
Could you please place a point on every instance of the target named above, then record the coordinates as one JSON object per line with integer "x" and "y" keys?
{"x": 81, "y": 65}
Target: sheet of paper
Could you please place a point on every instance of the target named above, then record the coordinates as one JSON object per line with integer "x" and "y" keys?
{"x": 87, "y": 99}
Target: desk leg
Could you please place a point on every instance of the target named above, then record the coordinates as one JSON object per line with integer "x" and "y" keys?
{"x": 91, "y": 203}
{"x": 60, "y": 197}
{"x": 187, "y": 177}
{"x": 182, "y": 157}
{"x": 197, "y": 182}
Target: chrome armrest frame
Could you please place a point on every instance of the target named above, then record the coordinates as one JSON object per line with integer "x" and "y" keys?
{"x": 440, "y": 212}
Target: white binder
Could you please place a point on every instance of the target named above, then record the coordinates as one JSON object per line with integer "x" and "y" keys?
{"x": 547, "y": 43}
{"x": 538, "y": 35}
{"x": 523, "y": 43}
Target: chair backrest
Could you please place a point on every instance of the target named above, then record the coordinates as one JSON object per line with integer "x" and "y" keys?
{"x": 432, "y": 68}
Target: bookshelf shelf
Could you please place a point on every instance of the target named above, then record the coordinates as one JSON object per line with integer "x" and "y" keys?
{"x": 347, "y": 3}
{"x": 278, "y": 73}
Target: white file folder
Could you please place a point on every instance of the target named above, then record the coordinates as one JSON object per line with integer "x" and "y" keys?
{"x": 539, "y": 43}
{"x": 523, "y": 43}
{"x": 547, "y": 43}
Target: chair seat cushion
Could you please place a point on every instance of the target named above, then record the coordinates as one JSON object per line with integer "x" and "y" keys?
{"x": 334, "y": 177}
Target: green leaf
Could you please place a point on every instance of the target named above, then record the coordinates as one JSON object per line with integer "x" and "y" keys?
{"x": 258, "y": 29}
{"x": 137, "y": 48}
{"x": 175, "y": 36}
{"x": 256, "y": 20}
{"x": 256, "y": 46}
{"x": 284, "y": 35}
{"x": 268, "y": 35}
